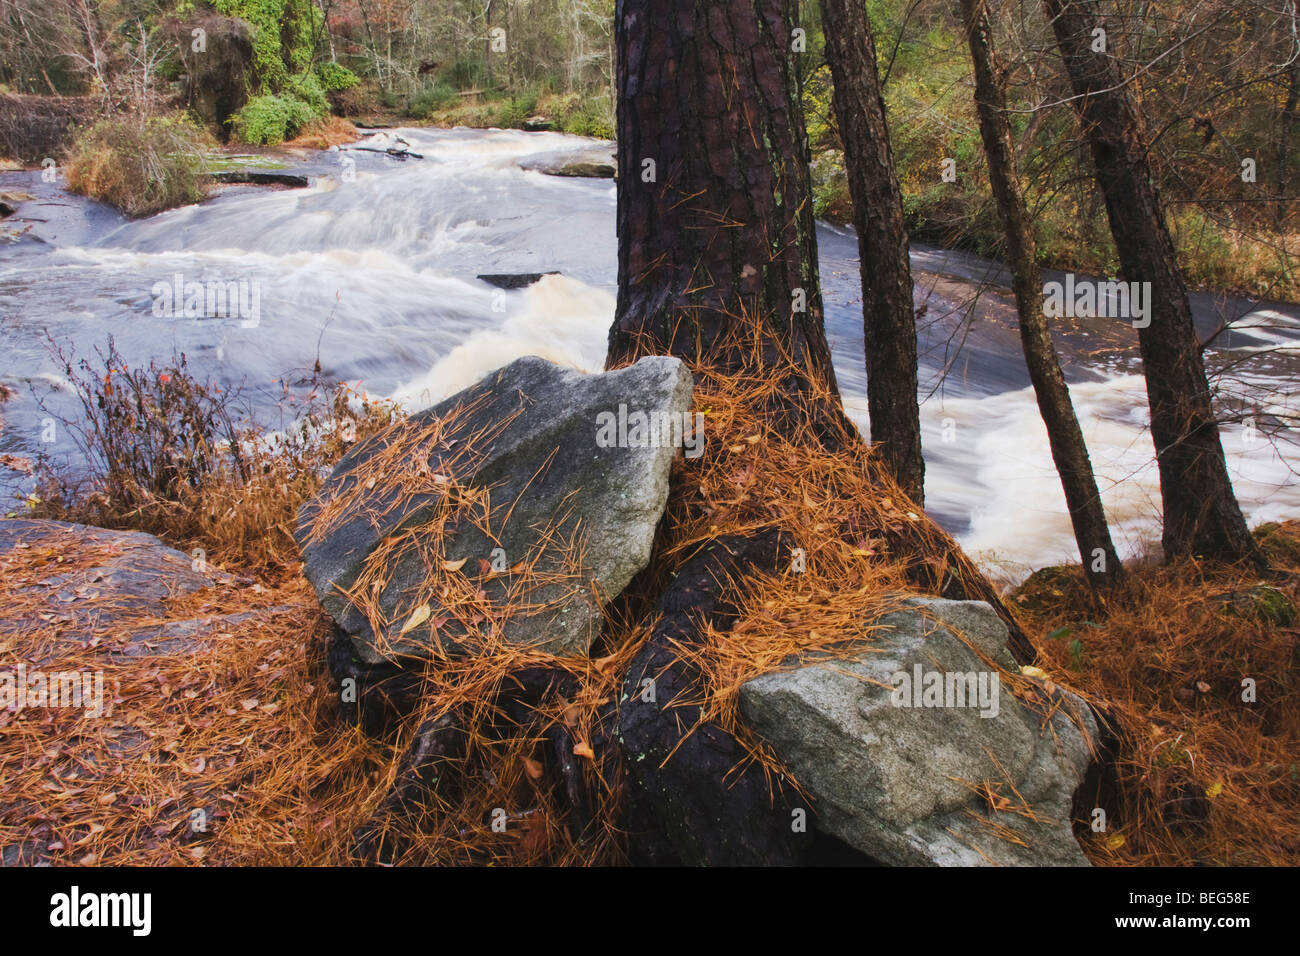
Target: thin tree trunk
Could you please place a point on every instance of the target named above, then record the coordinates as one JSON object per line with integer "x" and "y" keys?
{"x": 1201, "y": 514}
{"x": 716, "y": 239}
{"x": 1286, "y": 133}
{"x": 32, "y": 45}
{"x": 374, "y": 48}
{"x": 1069, "y": 451}
{"x": 889, "y": 322}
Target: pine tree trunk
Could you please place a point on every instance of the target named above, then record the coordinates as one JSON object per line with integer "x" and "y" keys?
{"x": 1069, "y": 451}
{"x": 715, "y": 224}
{"x": 1201, "y": 514}
{"x": 889, "y": 322}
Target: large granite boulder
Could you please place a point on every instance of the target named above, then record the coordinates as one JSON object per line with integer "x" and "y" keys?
{"x": 503, "y": 513}
{"x": 917, "y": 753}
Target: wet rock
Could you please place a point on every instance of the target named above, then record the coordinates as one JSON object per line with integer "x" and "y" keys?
{"x": 95, "y": 584}
{"x": 514, "y": 280}
{"x": 86, "y": 580}
{"x": 594, "y": 162}
{"x": 103, "y": 595}
{"x": 184, "y": 636}
{"x": 252, "y": 177}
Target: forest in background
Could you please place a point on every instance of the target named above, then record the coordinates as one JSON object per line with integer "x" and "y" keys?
{"x": 1217, "y": 82}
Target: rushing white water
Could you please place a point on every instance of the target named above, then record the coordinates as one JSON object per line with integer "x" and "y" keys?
{"x": 376, "y": 274}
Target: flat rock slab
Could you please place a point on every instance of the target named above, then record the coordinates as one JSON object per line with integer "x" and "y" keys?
{"x": 187, "y": 635}
{"x": 545, "y": 494}
{"x": 901, "y": 769}
{"x": 255, "y": 178}
{"x": 75, "y": 598}
{"x": 593, "y": 162}
{"x": 513, "y": 280}
{"x": 84, "y": 581}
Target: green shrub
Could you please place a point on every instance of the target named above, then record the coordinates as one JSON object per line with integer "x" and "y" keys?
{"x": 592, "y": 117}
{"x": 283, "y": 37}
{"x": 517, "y": 109}
{"x": 334, "y": 77}
{"x": 141, "y": 166}
{"x": 307, "y": 87}
{"x": 430, "y": 97}
{"x": 268, "y": 119}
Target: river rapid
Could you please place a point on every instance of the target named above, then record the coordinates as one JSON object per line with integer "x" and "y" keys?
{"x": 373, "y": 269}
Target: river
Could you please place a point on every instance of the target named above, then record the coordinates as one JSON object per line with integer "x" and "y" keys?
{"x": 373, "y": 268}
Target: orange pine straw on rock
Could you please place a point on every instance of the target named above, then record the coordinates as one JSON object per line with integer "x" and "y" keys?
{"x": 187, "y": 742}
{"x": 863, "y": 544}
{"x": 246, "y": 728}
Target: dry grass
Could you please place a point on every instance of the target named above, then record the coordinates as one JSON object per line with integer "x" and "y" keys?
{"x": 324, "y": 133}
{"x": 141, "y": 165}
{"x": 249, "y": 727}
{"x": 174, "y": 457}
{"x": 1202, "y": 777}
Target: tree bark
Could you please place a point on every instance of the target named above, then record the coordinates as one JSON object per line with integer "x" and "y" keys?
{"x": 713, "y": 253}
{"x": 1286, "y": 134}
{"x": 889, "y": 322}
{"x": 717, "y": 253}
{"x": 1201, "y": 514}
{"x": 681, "y": 783}
{"x": 1069, "y": 451}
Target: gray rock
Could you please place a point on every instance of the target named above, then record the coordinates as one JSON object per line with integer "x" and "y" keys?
{"x": 107, "y": 581}
{"x": 71, "y": 584}
{"x": 28, "y": 853}
{"x": 514, "y": 280}
{"x": 894, "y": 779}
{"x": 543, "y": 469}
{"x": 593, "y": 162}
